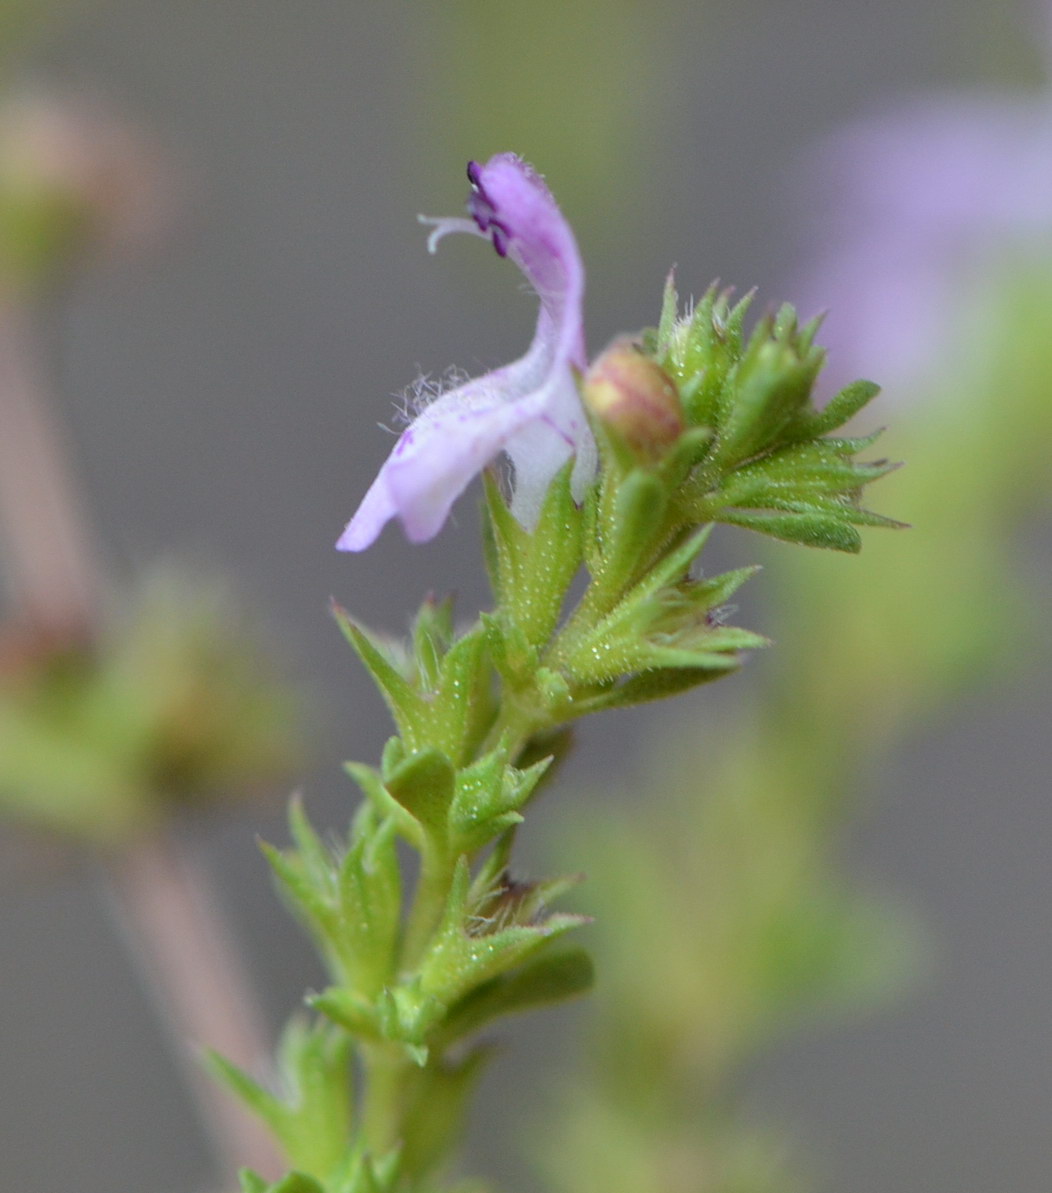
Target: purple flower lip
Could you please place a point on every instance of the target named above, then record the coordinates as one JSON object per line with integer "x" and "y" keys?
{"x": 529, "y": 409}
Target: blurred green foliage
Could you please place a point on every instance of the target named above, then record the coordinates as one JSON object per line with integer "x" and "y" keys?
{"x": 22, "y": 22}
{"x": 174, "y": 704}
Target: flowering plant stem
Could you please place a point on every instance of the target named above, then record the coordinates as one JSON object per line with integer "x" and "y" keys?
{"x": 692, "y": 424}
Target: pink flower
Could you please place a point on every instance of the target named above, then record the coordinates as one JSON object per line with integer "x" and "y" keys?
{"x": 529, "y": 409}
{"x": 917, "y": 207}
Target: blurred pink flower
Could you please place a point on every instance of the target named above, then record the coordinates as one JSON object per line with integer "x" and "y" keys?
{"x": 529, "y": 409}
{"x": 917, "y": 205}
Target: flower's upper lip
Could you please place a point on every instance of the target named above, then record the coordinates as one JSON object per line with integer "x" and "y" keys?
{"x": 484, "y": 213}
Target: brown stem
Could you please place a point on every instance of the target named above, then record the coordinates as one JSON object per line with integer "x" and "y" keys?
{"x": 173, "y": 923}
{"x": 48, "y": 555}
{"x": 176, "y": 932}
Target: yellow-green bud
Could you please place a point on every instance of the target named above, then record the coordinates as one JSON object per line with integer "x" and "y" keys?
{"x": 633, "y": 395}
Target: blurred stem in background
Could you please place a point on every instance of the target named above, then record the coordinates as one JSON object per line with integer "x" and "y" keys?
{"x": 107, "y": 723}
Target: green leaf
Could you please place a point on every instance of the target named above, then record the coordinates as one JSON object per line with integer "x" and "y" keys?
{"x": 297, "y": 1182}
{"x": 549, "y": 978}
{"x": 317, "y": 859}
{"x": 370, "y": 909}
{"x": 648, "y": 685}
{"x": 406, "y": 705}
{"x": 307, "y": 902}
{"x": 424, "y": 784}
{"x": 489, "y": 795}
{"x": 839, "y": 409}
{"x": 467, "y": 950}
{"x": 813, "y": 530}
{"x": 432, "y": 635}
{"x": 772, "y": 386}
{"x": 513, "y": 656}
{"x": 261, "y": 1102}
{"x": 312, "y": 1116}
{"x": 349, "y": 1010}
{"x": 393, "y": 754}
{"x": 462, "y": 707}
{"x": 532, "y": 571}
{"x": 314, "y": 1063}
{"x": 630, "y": 532}
{"x": 375, "y": 790}
{"x": 667, "y": 620}
{"x": 669, "y": 312}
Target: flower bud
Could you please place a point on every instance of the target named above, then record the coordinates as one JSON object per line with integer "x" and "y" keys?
{"x": 633, "y": 396}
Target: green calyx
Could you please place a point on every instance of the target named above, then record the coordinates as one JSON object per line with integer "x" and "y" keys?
{"x": 771, "y": 464}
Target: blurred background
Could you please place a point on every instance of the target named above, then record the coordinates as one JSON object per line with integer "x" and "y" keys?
{"x": 224, "y": 391}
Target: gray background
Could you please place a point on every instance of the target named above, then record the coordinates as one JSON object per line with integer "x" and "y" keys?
{"x": 225, "y": 395}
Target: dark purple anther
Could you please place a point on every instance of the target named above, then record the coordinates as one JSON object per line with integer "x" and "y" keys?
{"x": 500, "y": 238}
{"x": 483, "y": 212}
{"x": 480, "y": 209}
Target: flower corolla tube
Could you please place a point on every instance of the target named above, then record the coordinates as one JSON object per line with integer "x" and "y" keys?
{"x": 529, "y": 409}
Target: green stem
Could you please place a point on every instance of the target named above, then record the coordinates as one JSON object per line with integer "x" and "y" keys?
{"x": 521, "y": 716}
{"x": 383, "y": 1100}
{"x": 429, "y": 902}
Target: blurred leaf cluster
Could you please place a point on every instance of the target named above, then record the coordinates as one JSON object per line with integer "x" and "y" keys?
{"x": 173, "y": 704}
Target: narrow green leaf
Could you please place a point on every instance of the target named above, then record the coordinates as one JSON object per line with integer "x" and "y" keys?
{"x": 669, "y": 314}
{"x": 840, "y": 408}
{"x": 432, "y": 635}
{"x": 649, "y": 685}
{"x": 632, "y": 527}
{"x": 297, "y": 1182}
{"x": 555, "y": 556}
{"x": 424, "y": 785}
{"x": 254, "y": 1096}
{"x": 463, "y": 705}
{"x": 506, "y": 541}
{"x": 317, "y": 859}
{"x": 370, "y": 907}
{"x": 348, "y": 1010}
{"x": 392, "y": 756}
{"x": 406, "y": 705}
{"x": 374, "y": 789}
{"x": 305, "y": 899}
{"x": 813, "y": 530}
{"x": 548, "y": 978}
{"x": 534, "y": 570}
